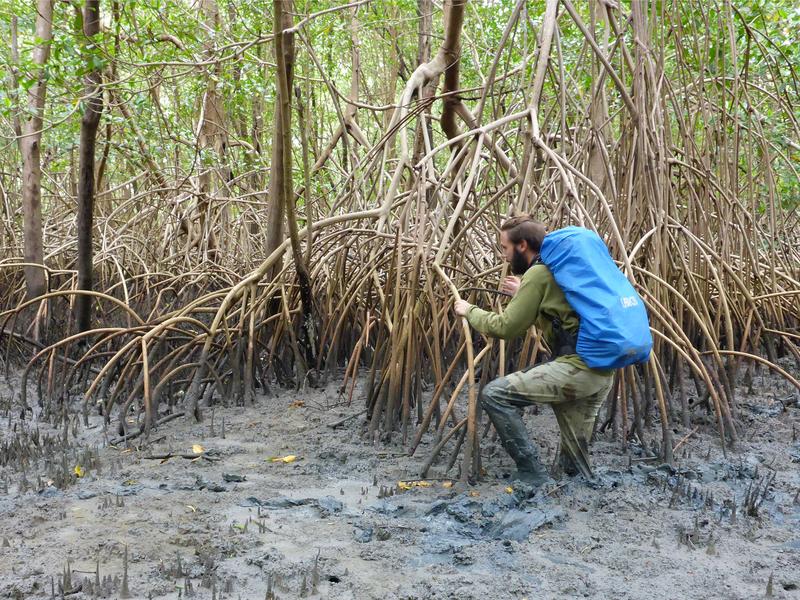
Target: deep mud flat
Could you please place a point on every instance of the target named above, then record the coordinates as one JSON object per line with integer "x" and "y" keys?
{"x": 234, "y": 524}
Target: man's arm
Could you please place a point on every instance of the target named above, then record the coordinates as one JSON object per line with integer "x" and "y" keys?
{"x": 518, "y": 316}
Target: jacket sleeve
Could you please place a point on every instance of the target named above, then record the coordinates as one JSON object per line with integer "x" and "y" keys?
{"x": 518, "y": 316}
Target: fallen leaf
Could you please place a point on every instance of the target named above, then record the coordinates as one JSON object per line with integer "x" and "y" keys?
{"x": 474, "y": 494}
{"x": 283, "y": 459}
{"x": 510, "y": 490}
{"x": 191, "y": 508}
{"x": 297, "y": 404}
{"x": 79, "y": 471}
{"x": 198, "y": 449}
{"x": 407, "y": 485}
{"x": 447, "y": 484}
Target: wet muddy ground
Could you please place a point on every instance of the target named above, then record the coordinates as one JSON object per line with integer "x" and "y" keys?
{"x": 209, "y": 511}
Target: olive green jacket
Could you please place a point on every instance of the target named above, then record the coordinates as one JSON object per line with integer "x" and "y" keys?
{"x": 538, "y": 301}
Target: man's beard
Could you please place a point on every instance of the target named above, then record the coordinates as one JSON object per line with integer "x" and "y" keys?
{"x": 519, "y": 264}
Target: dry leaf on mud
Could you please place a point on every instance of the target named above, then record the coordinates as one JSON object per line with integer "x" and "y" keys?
{"x": 198, "y": 449}
{"x": 407, "y": 485}
{"x": 283, "y": 459}
{"x": 447, "y": 484}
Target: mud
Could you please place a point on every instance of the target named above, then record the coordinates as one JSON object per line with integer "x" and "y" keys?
{"x": 162, "y": 520}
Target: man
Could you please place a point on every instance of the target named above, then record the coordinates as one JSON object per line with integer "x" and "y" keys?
{"x": 572, "y": 389}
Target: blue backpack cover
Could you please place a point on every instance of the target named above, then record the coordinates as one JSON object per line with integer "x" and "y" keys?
{"x": 614, "y": 331}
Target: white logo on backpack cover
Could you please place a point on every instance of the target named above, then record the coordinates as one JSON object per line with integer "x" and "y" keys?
{"x": 629, "y": 301}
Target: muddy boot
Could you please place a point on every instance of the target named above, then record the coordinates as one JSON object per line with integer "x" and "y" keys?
{"x": 512, "y": 433}
{"x": 514, "y": 438}
{"x": 529, "y": 469}
{"x": 567, "y": 465}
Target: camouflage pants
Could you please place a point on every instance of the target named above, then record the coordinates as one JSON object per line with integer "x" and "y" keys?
{"x": 575, "y": 395}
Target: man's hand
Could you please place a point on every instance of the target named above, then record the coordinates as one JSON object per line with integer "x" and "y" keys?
{"x": 461, "y": 307}
{"x": 510, "y": 285}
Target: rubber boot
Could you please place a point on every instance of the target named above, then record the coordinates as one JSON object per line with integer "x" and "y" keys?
{"x": 568, "y": 466}
{"x": 514, "y": 438}
{"x": 529, "y": 469}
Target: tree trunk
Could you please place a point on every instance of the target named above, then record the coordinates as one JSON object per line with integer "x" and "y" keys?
{"x": 425, "y": 10}
{"x": 32, "y": 214}
{"x": 275, "y": 209}
{"x": 29, "y": 146}
{"x": 283, "y": 141}
{"x": 212, "y": 133}
{"x": 598, "y": 107}
{"x": 454, "y": 20}
{"x": 86, "y": 175}
{"x": 355, "y": 78}
{"x": 423, "y": 75}
{"x": 392, "y": 68}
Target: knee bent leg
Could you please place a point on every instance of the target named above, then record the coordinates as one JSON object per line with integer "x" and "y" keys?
{"x": 489, "y": 396}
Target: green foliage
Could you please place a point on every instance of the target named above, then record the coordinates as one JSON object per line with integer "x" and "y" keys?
{"x": 158, "y": 57}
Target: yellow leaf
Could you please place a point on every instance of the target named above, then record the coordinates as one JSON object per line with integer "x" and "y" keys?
{"x": 407, "y": 485}
{"x": 447, "y": 484}
{"x": 283, "y": 459}
{"x": 198, "y": 449}
{"x": 191, "y": 508}
{"x": 79, "y": 471}
{"x": 474, "y": 494}
{"x": 510, "y": 490}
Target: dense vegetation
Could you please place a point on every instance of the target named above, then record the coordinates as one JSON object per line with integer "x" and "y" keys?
{"x": 204, "y": 198}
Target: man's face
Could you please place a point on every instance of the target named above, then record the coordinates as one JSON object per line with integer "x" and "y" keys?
{"x": 514, "y": 254}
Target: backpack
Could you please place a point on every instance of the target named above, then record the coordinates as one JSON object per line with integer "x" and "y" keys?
{"x": 614, "y": 331}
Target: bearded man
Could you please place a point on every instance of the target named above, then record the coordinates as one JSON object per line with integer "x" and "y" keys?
{"x": 573, "y": 390}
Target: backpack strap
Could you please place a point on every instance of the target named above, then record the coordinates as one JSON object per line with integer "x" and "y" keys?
{"x": 565, "y": 341}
